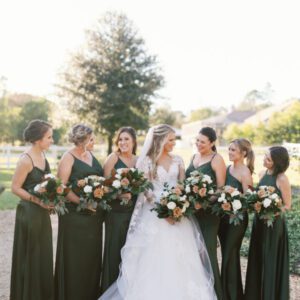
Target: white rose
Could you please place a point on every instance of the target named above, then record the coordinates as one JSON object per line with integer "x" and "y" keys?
{"x": 43, "y": 184}
{"x": 37, "y": 187}
{"x": 116, "y": 184}
{"x": 88, "y": 189}
{"x": 120, "y": 171}
{"x": 186, "y": 204}
{"x": 236, "y": 205}
{"x": 267, "y": 202}
{"x": 183, "y": 198}
{"x": 210, "y": 192}
{"x": 171, "y": 205}
{"x": 165, "y": 194}
{"x": 249, "y": 191}
{"x": 274, "y": 196}
{"x": 118, "y": 176}
{"x": 132, "y": 169}
{"x": 187, "y": 189}
{"x": 207, "y": 179}
{"x": 204, "y": 185}
{"x": 235, "y": 193}
{"x": 96, "y": 183}
{"x": 49, "y": 176}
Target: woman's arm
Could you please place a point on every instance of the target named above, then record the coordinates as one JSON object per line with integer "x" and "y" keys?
{"x": 64, "y": 172}
{"x": 247, "y": 180}
{"x": 109, "y": 164}
{"x": 218, "y": 165}
{"x": 285, "y": 188}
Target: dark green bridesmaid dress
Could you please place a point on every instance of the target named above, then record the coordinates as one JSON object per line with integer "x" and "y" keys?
{"x": 268, "y": 261}
{"x": 209, "y": 225}
{"x": 116, "y": 226}
{"x": 231, "y": 237}
{"x": 32, "y": 260}
{"x": 79, "y": 245}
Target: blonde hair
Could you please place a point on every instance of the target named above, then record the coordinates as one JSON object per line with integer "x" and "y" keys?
{"x": 245, "y": 146}
{"x": 79, "y": 133}
{"x": 160, "y": 135}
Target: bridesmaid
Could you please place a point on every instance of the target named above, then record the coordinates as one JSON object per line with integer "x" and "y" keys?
{"x": 209, "y": 162}
{"x": 32, "y": 260}
{"x": 117, "y": 220}
{"x": 268, "y": 262}
{"x": 79, "y": 245}
{"x": 238, "y": 175}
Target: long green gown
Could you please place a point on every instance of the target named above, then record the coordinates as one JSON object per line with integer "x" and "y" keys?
{"x": 32, "y": 260}
{"x": 231, "y": 237}
{"x": 79, "y": 245}
{"x": 268, "y": 261}
{"x": 116, "y": 226}
{"x": 209, "y": 225}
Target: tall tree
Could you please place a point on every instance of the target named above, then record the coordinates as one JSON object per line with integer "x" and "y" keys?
{"x": 112, "y": 80}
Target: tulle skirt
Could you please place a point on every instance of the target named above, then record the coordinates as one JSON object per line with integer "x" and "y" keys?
{"x": 162, "y": 261}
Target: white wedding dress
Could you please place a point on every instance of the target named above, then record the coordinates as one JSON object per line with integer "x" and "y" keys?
{"x": 159, "y": 260}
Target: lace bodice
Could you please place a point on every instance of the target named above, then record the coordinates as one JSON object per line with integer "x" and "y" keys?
{"x": 163, "y": 176}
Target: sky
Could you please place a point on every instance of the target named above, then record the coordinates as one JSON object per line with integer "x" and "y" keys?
{"x": 211, "y": 52}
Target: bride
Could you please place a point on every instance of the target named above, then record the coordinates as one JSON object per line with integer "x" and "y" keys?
{"x": 162, "y": 259}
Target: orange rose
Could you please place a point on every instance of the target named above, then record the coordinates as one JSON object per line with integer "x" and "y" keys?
{"x": 195, "y": 189}
{"x": 261, "y": 193}
{"x": 202, "y": 192}
{"x": 59, "y": 189}
{"x": 81, "y": 183}
{"x": 229, "y": 189}
{"x": 226, "y": 206}
{"x": 257, "y": 206}
{"x": 177, "y": 191}
{"x": 198, "y": 206}
{"x": 177, "y": 212}
{"x": 125, "y": 182}
{"x": 271, "y": 189}
{"x": 98, "y": 192}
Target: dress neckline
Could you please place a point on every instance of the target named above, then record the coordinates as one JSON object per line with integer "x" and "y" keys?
{"x": 84, "y": 161}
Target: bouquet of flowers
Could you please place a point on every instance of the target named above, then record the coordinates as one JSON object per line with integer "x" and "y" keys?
{"x": 230, "y": 202}
{"x": 52, "y": 192}
{"x": 127, "y": 180}
{"x": 173, "y": 203}
{"x": 265, "y": 202}
{"x": 199, "y": 188}
{"x": 93, "y": 192}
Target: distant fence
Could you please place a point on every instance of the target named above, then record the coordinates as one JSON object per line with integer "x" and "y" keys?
{"x": 9, "y": 155}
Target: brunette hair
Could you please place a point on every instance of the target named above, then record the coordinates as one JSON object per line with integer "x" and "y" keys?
{"x": 35, "y": 130}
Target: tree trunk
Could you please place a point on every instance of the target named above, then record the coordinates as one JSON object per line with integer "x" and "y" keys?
{"x": 110, "y": 143}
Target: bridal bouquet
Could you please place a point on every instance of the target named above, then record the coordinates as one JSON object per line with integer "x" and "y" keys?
{"x": 199, "y": 188}
{"x": 265, "y": 202}
{"x": 93, "y": 192}
{"x": 52, "y": 192}
{"x": 127, "y": 180}
{"x": 229, "y": 201}
{"x": 173, "y": 203}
